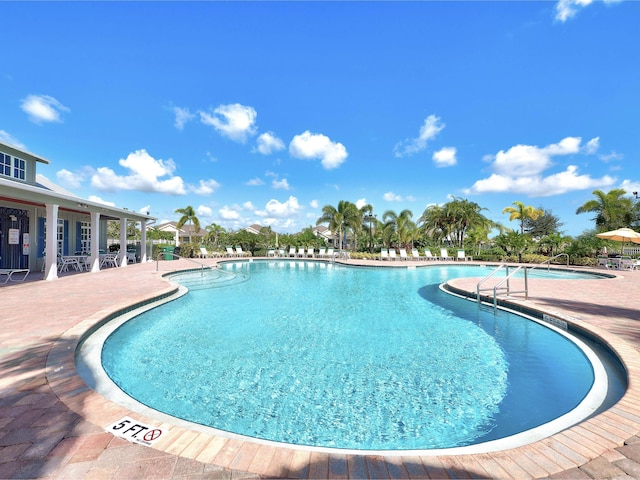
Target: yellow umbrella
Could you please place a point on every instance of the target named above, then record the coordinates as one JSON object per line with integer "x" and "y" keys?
{"x": 621, "y": 235}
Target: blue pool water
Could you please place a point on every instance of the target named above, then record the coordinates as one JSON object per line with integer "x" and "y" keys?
{"x": 318, "y": 354}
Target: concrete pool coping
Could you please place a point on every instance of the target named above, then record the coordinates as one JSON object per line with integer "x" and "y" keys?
{"x": 593, "y": 442}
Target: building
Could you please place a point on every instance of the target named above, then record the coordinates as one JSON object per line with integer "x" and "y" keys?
{"x": 185, "y": 234}
{"x": 29, "y": 203}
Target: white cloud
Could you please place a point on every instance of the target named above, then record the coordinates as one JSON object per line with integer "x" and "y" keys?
{"x": 43, "y": 108}
{"x": 361, "y": 202}
{"x": 445, "y": 157}
{"x": 314, "y": 204}
{"x": 145, "y": 175}
{"x": 204, "y": 211}
{"x": 228, "y": 213}
{"x": 96, "y": 199}
{"x": 235, "y": 121}
{"x": 611, "y": 156}
{"x": 277, "y": 209}
{"x": 268, "y": 143}
{"x": 9, "y": 139}
{"x": 255, "y": 182}
{"x": 69, "y": 179}
{"x": 280, "y": 184}
{"x": 521, "y": 170}
{"x": 431, "y": 127}
{"x": 592, "y": 146}
{"x": 182, "y": 116}
{"x": 146, "y": 209}
{"x": 309, "y": 146}
{"x": 566, "y": 9}
{"x": 205, "y": 187}
{"x": 392, "y": 197}
{"x": 248, "y": 206}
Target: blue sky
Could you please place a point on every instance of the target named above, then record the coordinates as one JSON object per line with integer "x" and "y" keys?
{"x": 264, "y": 112}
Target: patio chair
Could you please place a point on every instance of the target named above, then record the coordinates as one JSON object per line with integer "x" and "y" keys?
{"x": 231, "y": 252}
{"x": 330, "y": 253}
{"x": 463, "y": 256}
{"x": 292, "y": 251}
{"x": 403, "y": 254}
{"x": 322, "y": 252}
{"x": 240, "y": 252}
{"x": 384, "y": 254}
{"x": 300, "y": 253}
{"x": 392, "y": 254}
{"x": 444, "y": 254}
{"x": 415, "y": 254}
{"x": 10, "y": 272}
{"x": 271, "y": 252}
{"x": 429, "y": 256}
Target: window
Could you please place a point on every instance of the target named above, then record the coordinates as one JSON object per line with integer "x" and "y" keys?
{"x": 85, "y": 236}
{"x": 19, "y": 168}
{"x": 13, "y": 166}
{"x": 5, "y": 164}
{"x": 60, "y": 236}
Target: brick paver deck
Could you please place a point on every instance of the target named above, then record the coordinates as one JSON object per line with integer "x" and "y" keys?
{"x": 53, "y": 425}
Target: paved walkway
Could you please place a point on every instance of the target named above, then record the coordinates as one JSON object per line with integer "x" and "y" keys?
{"x": 53, "y": 426}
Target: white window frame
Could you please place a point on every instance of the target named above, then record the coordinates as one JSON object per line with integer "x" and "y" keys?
{"x": 19, "y": 168}
{"x": 85, "y": 237}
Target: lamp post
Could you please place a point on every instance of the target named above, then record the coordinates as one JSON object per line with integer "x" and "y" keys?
{"x": 370, "y": 218}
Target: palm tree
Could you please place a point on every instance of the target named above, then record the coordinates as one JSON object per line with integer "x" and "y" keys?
{"x": 612, "y": 209}
{"x": 454, "y": 220}
{"x": 340, "y": 219}
{"x": 188, "y": 217}
{"x": 399, "y": 226}
{"x": 522, "y": 212}
{"x": 214, "y": 231}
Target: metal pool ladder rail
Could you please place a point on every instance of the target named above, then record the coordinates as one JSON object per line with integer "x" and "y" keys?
{"x": 500, "y": 286}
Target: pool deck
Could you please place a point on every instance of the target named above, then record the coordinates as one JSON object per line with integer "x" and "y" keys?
{"x": 52, "y": 425}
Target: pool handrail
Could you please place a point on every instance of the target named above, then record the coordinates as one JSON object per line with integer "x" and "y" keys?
{"x": 499, "y": 286}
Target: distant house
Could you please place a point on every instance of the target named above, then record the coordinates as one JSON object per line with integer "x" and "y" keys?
{"x": 324, "y": 233}
{"x": 40, "y": 221}
{"x": 182, "y": 235}
{"x": 255, "y": 228}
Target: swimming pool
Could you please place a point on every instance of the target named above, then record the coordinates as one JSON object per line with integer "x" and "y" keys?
{"x": 370, "y": 359}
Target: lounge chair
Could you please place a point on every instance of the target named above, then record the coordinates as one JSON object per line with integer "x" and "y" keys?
{"x": 330, "y": 253}
{"x": 627, "y": 263}
{"x": 271, "y": 252}
{"x": 384, "y": 254}
{"x": 415, "y": 254}
{"x": 301, "y": 253}
{"x": 310, "y": 252}
{"x": 463, "y": 256}
{"x": 322, "y": 252}
{"x": 392, "y": 254}
{"x": 204, "y": 253}
{"x": 10, "y": 272}
{"x": 429, "y": 256}
{"x": 292, "y": 251}
{"x": 444, "y": 254}
{"x": 403, "y": 254}
{"x": 231, "y": 252}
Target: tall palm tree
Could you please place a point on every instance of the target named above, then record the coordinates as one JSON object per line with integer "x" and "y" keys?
{"x": 340, "y": 219}
{"x": 522, "y": 212}
{"x": 612, "y": 209}
{"x": 188, "y": 217}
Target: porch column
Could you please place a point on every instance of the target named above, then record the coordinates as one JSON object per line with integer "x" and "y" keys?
{"x": 51, "y": 241}
{"x": 95, "y": 241}
{"x": 122, "y": 254}
{"x": 143, "y": 241}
